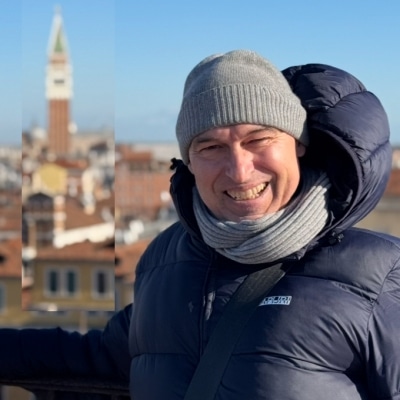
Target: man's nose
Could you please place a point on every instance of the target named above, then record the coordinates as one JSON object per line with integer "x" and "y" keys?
{"x": 239, "y": 165}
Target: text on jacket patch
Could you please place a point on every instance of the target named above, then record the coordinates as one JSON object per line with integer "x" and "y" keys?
{"x": 276, "y": 300}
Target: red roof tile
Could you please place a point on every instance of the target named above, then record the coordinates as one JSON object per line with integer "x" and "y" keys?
{"x": 84, "y": 251}
{"x": 10, "y": 258}
{"x": 76, "y": 216}
{"x": 393, "y": 187}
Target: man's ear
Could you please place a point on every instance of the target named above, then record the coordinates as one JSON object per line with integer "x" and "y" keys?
{"x": 300, "y": 149}
{"x": 189, "y": 167}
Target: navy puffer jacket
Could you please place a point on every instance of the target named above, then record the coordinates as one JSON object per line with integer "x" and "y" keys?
{"x": 339, "y": 336}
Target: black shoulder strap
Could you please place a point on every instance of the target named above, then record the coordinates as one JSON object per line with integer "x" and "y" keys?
{"x": 238, "y": 311}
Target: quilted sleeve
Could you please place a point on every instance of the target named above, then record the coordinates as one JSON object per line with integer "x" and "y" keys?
{"x": 383, "y": 347}
{"x": 39, "y": 353}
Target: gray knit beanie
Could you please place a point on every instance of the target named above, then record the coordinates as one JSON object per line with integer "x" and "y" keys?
{"x": 234, "y": 88}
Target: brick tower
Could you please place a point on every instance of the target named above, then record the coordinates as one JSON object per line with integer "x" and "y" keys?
{"x": 58, "y": 90}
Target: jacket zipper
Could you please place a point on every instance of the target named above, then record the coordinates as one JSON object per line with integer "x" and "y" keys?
{"x": 208, "y": 300}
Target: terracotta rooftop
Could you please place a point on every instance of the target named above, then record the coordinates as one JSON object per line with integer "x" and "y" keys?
{"x": 10, "y": 197}
{"x": 393, "y": 187}
{"x": 10, "y": 211}
{"x": 108, "y": 202}
{"x": 84, "y": 251}
{"x": 128, "y": 154}
{"x": 10, "y": 258}
{"x": 69, "y": 164}
{"x": 10, "y": 221}
{"x": 76, "y": 216}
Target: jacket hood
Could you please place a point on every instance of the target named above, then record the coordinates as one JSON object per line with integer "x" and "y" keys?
{"x": 349, "y": 139}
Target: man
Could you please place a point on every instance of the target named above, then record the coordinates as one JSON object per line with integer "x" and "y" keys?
{"x": 275, "y": 168}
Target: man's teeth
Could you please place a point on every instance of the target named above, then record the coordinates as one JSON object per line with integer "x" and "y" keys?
{"x": 248, "y": 194}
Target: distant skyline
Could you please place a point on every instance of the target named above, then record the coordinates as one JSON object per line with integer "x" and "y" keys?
{"x": 130, "y": 59}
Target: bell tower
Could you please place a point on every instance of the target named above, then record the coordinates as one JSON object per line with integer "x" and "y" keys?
{"x": 58, "y": 89}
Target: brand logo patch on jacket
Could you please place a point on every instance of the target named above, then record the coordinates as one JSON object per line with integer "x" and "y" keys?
{"x": 276, "y": 300}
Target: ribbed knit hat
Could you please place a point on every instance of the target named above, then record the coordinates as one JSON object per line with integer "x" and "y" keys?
{"x": 239, "y": 87}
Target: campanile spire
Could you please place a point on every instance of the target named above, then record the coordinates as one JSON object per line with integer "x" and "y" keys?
{"x": 58, "y": 88}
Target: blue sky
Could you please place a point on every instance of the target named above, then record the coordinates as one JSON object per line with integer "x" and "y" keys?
{"x": 130, "y": 58}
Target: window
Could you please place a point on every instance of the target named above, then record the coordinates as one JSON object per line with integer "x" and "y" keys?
{"x": 54, "y": 282}
{"x": 103, "y": 283}
{"x": 61, "y": 282}
{"x": 71, "y": 284}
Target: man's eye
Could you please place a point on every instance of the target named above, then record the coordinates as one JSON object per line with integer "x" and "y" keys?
{"x": 211, "y": 147}
{"x": 260, "y": 140}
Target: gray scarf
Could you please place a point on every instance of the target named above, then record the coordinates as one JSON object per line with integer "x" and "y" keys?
{"x": 274, "y": 235}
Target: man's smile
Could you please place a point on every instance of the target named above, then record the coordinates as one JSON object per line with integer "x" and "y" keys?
{"x": 249, "y": 194}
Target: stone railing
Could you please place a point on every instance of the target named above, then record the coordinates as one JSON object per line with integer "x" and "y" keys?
{"x": 72, "y": 389}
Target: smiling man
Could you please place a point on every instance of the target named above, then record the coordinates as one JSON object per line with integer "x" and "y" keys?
{"x": 276, "y": 168}
{"x": 241, "y": 131}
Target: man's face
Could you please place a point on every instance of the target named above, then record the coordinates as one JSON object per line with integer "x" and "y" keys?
{"x": 245, "y": 171}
